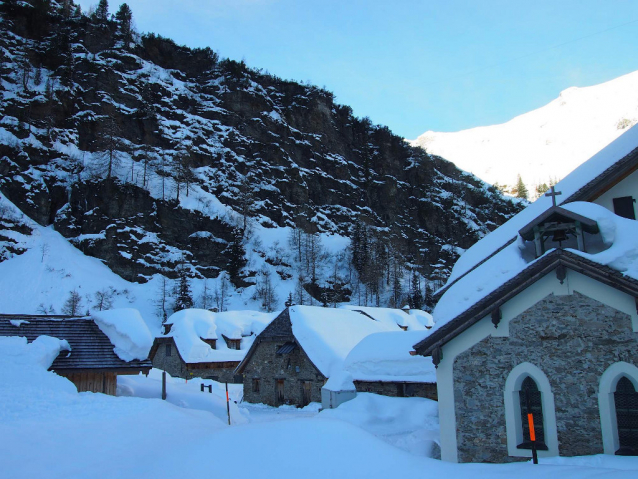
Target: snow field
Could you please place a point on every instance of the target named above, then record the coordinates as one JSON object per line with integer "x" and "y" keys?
{"x": 49, "y": 430}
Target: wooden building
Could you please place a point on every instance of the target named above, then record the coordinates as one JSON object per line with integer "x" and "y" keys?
{"x": 91, "y": 365}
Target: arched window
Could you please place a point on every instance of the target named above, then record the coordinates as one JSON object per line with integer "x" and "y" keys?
{"x": 626, "y": 402}
{"x": 531, "y": 402}
{"x": 527, "y": 380}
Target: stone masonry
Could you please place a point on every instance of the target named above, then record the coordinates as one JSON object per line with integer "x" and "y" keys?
{"x": 573, "y": 340}
{"x": 398, "y": 389}
{"x": 264, "y": 367}
{"x": 177, "y": 368}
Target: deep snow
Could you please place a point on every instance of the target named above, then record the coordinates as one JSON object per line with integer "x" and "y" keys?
{"x": 49, "y": 430}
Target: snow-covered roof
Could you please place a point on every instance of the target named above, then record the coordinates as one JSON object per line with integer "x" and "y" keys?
{"x": 191, "y": 326}
{"x": 328, "y": 335}
{"x": 576, "y": 181}
{"x": 619, "y": 257}
{"x": 499, "y": 257}
{"x": 414, "y": 321}
{"x": 386, "y": 357}
{"x": 127, "y": 331}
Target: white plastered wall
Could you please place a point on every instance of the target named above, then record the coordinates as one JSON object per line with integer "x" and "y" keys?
{"x": 606, "y": 404}
{"x": 627, "y": 187}
{"x": 547, "y": 285}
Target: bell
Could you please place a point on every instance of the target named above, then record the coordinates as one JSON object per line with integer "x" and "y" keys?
{"x": 560, "y": 235}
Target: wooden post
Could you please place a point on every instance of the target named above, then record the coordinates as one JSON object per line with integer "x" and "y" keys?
{"x": 227, "y": 404}
{"x": 164, "y": 385}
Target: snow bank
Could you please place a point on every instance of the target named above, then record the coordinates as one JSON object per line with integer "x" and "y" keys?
{"x": 412, "y": 424}
{"x": 190, "y": 326}
{"x": 391, "y": 316}
{"x": 127, "y": 331}
{"x": 327, "y": 335}
{"x": 386, "y": 357}
{"x": 24, "y": 378}
{"x": 622, "y": 255}
{"x": 185, "y": 394}
{"x": 340, "y": 381}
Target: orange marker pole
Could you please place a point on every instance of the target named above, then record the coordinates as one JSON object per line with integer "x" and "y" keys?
{"x": 532, "y": 432}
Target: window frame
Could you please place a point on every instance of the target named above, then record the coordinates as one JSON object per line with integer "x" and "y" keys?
{"x": 513, "y": 418}
{"x": 607, "y": 405}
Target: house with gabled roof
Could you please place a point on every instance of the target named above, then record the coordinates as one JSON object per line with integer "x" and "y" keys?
{"x": 92, "y": 363}
{"x": 385, "y": 364}
{"x": 198, "y": 343}
{"x": 297, "y": 353}
{"x": 540, "y": 318}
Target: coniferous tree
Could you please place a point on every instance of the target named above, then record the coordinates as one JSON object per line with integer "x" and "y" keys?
{"x": 521, "y": 189}
{"x": 184, "y": 299}
{"x": 102, "y": 11}
{"x": 124, "y": 17}
{"x": 237, "y": 256}
{"x": 416, "y": 297}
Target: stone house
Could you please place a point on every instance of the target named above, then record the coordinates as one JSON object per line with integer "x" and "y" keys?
{"x": 91, "y": 364}
{"x": 540, "y": 317}
{"x": 384, "y": 363}
{"x": 191, "y": 347}
{"x": 294, "y": 356}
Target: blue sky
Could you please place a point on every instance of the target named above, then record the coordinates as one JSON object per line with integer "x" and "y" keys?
{"x": 414, "y": 65}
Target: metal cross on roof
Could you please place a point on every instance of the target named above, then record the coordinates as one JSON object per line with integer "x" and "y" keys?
{"x": 553, "y": 194}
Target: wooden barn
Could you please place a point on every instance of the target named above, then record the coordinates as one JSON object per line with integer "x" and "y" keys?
{"x": 91, "y": 365}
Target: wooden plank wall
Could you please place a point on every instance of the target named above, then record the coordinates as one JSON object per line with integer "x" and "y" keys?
{"x": 94, "y": 382}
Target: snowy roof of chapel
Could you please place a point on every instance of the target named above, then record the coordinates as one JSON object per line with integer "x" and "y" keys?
{"x": 191, "y": 326}
{"x": 574, "y": 187}
{"x": 386, "y": 357}
{"x": 328, "y": 335}
{"x": 496, "y": 262}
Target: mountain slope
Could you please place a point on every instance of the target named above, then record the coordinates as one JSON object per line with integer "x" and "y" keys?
{"x": 545, "y": 143}
{"x": 154, "y": 157}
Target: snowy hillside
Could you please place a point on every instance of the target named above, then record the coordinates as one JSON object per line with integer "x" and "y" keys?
{"x": 160, "y": 160}
{"x": 547, "y": 143}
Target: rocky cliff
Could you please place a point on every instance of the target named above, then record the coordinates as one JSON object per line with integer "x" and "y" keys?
{"x": 144, "y": 153}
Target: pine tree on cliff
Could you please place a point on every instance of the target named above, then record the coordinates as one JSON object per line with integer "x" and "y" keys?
{"x": 102, "y": 11}
{"x": 124, "y": 16}
{"x": 184, "y": 298}
{"x": 237, "y": 256}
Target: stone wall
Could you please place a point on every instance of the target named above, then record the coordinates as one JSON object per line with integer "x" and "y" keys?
{"x": 573, "y": 340}
{"x": 398, "y": 389}
{"x": 177, "y": 368}
{"x": 294, "y": 368}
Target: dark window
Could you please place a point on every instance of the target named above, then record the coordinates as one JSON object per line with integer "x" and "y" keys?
{"x": 626, "y": 401}
{"x": 169, "y": 350}
{"x": 624, "y": 207}
{"x": 255, "y": 385}
{"x": 531, "y": 402}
